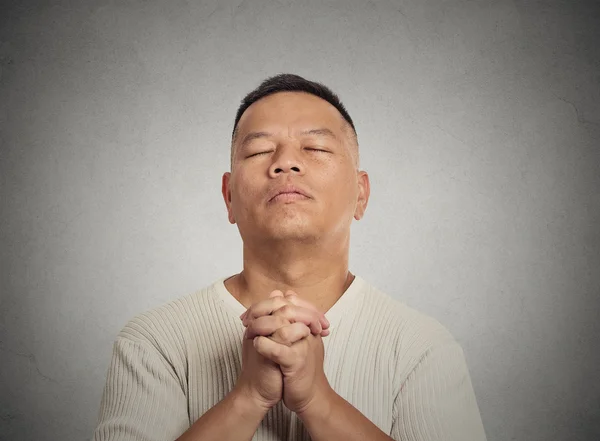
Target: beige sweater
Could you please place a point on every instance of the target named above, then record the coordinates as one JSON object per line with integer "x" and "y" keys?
{"x": 401, "y": 369}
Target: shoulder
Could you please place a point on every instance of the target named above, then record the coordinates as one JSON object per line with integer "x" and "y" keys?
{"x": 169, "y": 323}
{"x": 400, "y": 317}
{"x": 409, "y": 332}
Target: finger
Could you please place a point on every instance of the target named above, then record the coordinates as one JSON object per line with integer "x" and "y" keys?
{"x": 275, "y": 293}
{"x": 263, "y": 308}
{"x": 265, "y": 326}
{"x": 276, "y": 352}
{"x": 290, "y": 334}
{"x": 293, "y": 298}
{"x": 290, "y": 293}
{"x": 308, "y": 317}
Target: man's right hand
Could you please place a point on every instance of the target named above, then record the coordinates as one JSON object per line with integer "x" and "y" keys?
{"x": 261, "y": 380}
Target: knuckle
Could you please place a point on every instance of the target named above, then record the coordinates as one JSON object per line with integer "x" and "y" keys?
{"x": 281, "y": 321}
{"x": 285, "y": 334}
{"x": 285, "y": 310}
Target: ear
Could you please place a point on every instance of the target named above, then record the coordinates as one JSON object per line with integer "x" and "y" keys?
{"x": 364, "y": 191}
{"x": 227, "y": 195}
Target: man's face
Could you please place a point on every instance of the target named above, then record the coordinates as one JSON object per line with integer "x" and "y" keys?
{"x": 294, "y": 139}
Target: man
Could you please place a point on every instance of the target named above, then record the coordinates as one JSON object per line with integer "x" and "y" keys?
{"x": 294, "y": 347}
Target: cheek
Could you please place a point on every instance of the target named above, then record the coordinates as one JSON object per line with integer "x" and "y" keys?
{"x": 245, "y": 191}
{"x": 344, "y": 191}
{"x": 337, "y": 176}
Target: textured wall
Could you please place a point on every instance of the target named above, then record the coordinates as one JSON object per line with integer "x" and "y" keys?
{"x": 479, "y": 124}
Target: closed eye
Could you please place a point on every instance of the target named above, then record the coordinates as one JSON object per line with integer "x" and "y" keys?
{"x": 270, "y": 151}
{"x": 259, "y": 153}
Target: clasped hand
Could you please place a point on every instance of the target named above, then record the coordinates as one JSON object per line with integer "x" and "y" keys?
{"x": 286, "y": 332}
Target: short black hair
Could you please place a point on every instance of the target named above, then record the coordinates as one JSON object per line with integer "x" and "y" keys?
{"x": 291, "y": 83}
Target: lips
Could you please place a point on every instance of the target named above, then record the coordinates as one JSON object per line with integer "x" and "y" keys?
{"x": 288, "y": 189}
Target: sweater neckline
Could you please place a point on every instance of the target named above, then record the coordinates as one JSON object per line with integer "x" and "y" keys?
{"x": 341, "y": 308}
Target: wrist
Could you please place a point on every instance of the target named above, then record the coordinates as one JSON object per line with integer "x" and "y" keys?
{"x": 246, "y": 406}
{"x": 320, "y": 407}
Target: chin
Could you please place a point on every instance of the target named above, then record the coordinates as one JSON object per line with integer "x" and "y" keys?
{"x": 292, "y": 231}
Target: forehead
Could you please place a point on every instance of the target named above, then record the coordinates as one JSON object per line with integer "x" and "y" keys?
{"x": 290, "y": 110}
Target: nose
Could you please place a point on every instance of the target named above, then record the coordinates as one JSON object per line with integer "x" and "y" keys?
{"x": 286, "y": 160}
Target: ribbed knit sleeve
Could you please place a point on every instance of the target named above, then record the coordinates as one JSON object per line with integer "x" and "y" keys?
{"x": 142, "y": 399}
{"x": 437, "y": 400}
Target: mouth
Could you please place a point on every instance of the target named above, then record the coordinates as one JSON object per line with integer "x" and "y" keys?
{"x": 289, "y": 197}
{"x": 288, "y": 192}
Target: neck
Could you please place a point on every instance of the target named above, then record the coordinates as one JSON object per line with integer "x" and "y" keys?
{"x": 317, "y": 273}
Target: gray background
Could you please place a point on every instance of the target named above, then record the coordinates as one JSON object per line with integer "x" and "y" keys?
{"x": 478, "y": 122}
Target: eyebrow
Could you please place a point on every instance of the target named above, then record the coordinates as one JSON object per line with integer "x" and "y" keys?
{"x": 257, "y": 135}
